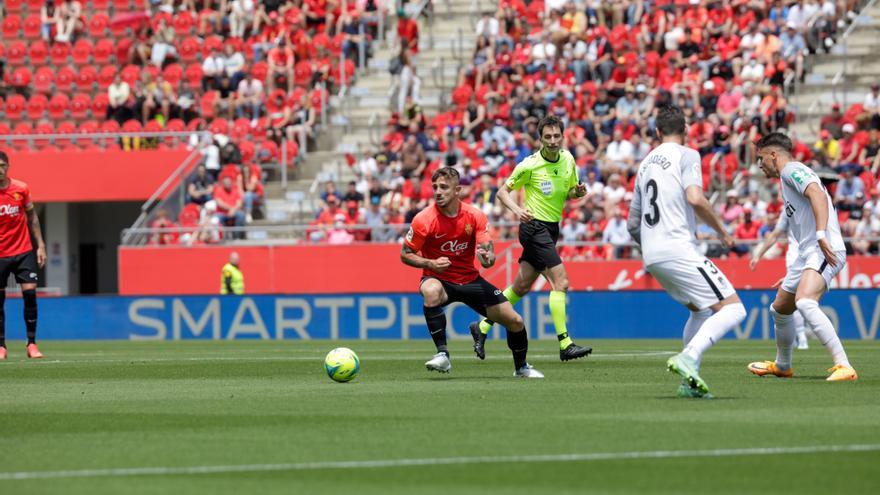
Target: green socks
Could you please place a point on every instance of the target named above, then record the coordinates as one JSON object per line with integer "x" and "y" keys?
{"x": 557, "y": 312}
{"x": 485, "y": 324}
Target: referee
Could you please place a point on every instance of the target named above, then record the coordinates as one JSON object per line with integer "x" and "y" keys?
{"x": 549, "y": 178}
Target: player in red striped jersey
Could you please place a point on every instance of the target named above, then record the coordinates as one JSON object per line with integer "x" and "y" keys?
{"x": 18, "y": 223}
{"x": 443, "y": 241}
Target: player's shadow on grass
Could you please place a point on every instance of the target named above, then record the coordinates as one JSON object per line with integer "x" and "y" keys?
{"x": 443, "y": 378}
{"x": 688, "y": 399}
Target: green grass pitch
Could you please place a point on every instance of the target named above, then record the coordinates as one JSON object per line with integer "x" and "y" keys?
{"x": 234, "y": 409}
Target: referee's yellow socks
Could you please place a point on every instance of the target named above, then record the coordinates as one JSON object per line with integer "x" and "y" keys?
{"x": 485, "y": 324}
{"x": 557, "y": 312}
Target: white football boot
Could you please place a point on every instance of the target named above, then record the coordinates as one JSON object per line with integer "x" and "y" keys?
{"x": 528, "y": 371}
{"x": 440, "y": 362}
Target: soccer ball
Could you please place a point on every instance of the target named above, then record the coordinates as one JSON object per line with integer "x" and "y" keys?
{"x": 342, "y": 364}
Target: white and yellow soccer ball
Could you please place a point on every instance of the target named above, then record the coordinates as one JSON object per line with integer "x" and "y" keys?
{"x": 342, "y": 364}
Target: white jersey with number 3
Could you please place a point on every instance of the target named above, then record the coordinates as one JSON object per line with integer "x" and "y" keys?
{"x": 668, "y": 222}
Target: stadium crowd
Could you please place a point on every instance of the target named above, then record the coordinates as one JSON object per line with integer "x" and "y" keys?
{"x": 248, "y": 72}
{"x": 604, "y": 67}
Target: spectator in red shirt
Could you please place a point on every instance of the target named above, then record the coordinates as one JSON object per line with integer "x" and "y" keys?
{"x": 280, "y": 64}
{"x": 163, "y": 222}
{"x": 229, "y": 203}
{"x": 747, "y": 230}
{"x": 407, "y": 31}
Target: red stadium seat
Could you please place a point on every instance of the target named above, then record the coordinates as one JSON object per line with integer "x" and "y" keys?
{"x": 103, "y": 51}
{"x": 189, "y": 50}
{"x": 98, "y": 25}
{"x": 337, "y": 43}
{"x": 106, "y": 76}
{"x": 99, "y": 105}
{"x": 14, "y": 6}
{"x": 11, "y": 26}
{"x": 132, "y": 126}
{"x": 175, "y": 125}
{"x": 89, "y": 127}
{"x": 193, "y": 75}
{"x": 109, "y": 126}
{"x": 189, "y": 216}
{"x": 21, "y": 78}
{"x": 58, "y": 106}
{"x": 79, "y": 106}
{"x": 173, "y": 73}
{"x": 100, "y": 4}
{"x": 64, "y": 79}
{"x": 219, "y": 126}
{"x": 85, "y": 78}
{"x": 302, "y": 73}
{"x": 153, "y": 71}
{"x": 240, "y": 129}
{"x": 32, "y": 26}
{"x": 259, "y": 132}
{"x": 34, "y": 5}
{"x": 36, "y": 106}
{"x": 194, "y": 125}
{"x": 15, "y": 52}
{"x": 43, "y": 128}
{"x": 260, "y": 70}
{"x": 153, "y": 126}
{"x": 183, "y": 23}
{"x": 82, "y": 51}
{"x": 59, "y": 53}
{"x": 292, "y": 151}
{"x": 212, "y": 43}
{"x": 268, "y": 151}
{"x": 43, "y": 80}
{"x": 130, "y": 74}
{"x": 207, "y": 104}
{"x": 121, "y": 4}
{"x": 248, "y": 151}
{"x": 38, "y": 53}
{"x": 15, "y": 104}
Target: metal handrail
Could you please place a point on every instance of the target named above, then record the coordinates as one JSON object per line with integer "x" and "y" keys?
{"x": 371, "y": 129}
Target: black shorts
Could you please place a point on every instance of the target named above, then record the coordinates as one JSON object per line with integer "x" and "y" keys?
{"x": 477, "y": 295}
{"x": 538, "y": 239}
{"x": 23, "y": 266}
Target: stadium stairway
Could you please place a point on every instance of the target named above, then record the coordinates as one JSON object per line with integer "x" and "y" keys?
{"x": 844, "y": 76}
{"x": 359, "y": 120}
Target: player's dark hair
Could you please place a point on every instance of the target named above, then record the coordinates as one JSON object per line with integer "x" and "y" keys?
{"x": 550, "y": 121}
{"x": 670, "y": 121}
{"x": 777, "y": 140}
{"x": 447, "y": 173}
{"x": 4, "y": 158}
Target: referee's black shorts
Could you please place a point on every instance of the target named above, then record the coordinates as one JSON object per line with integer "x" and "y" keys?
{"x": 23, "y": 266}
{"x": 538, "y": 239}
{"x": 477, "y": 295}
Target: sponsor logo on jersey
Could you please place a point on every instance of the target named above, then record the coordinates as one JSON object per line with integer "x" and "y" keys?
{"x": 547, "y": 187}
{"x": 468, "y": 229}
{"x": 10, "y": 210}
{"x": 789, "y": 209}
{"x": 454, "y": 247}
{"x": 800, "y": 175}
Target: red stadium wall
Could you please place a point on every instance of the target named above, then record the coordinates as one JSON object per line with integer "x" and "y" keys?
{"x": 373, "y": 268}
{"x": 84, "y": 176}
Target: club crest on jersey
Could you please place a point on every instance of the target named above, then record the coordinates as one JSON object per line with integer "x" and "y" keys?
{"x": 468, "y": 229}
{"x": 10, "y": 210}
{"x": 547, "y": 187}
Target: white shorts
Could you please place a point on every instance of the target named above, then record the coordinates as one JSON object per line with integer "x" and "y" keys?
{"x": 812, "y": 260}
{"x": 692, "y": 279}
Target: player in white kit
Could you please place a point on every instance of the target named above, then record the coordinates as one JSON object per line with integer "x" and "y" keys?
{"x": 812, "y": 221}
{"x": 791, "y": 255}
{"x": 668, "y": 197}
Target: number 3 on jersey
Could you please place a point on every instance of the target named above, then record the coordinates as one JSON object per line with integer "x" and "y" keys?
{"x": 652, "y": 217}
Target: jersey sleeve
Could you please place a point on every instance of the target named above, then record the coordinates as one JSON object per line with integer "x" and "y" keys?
{"x": 573, "y": 176}
{"x": 691, "y": 169}
{"x": 481, "y": 227}
{"x": 520, "y": 175}
{"x": 800, "y": 178}
{"x": 634, "y": 219}
{"x": 418, "y": 232}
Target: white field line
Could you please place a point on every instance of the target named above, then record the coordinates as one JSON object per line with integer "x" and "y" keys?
{"x": 316, "y": 357}
{"x": 436, "y": 461}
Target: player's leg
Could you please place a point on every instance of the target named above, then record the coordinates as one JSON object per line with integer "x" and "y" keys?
{"x": 800, "y": 329}
{"x": 811, "y": 289}
{"x": 26, "y": 276}
{"x": 694, "y": 323}
{"x": 2, "y": 323}
{"x": 557, "y": 276}
{"x": 435, "y": 297}
{"x": 517, "y": 338}
{"x": 782, "y": 309}
{"x": 521, "y": 286}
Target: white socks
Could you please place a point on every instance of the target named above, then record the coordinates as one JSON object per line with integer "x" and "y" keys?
{"x": 799, "y": 324}
{"x": 713, "y": 329}
{"x": 695, "y": 321}
{"x": 785, "y": 335}
{"x": 824, "y": 330}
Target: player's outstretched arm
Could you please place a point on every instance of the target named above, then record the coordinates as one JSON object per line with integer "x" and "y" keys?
{"x": 409, "y": 257}
{"x": 819, "y": 203}
{"x": 703, "y": 209}
{"x": 37, "y": 233}
{"x": 762, "y": 248}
